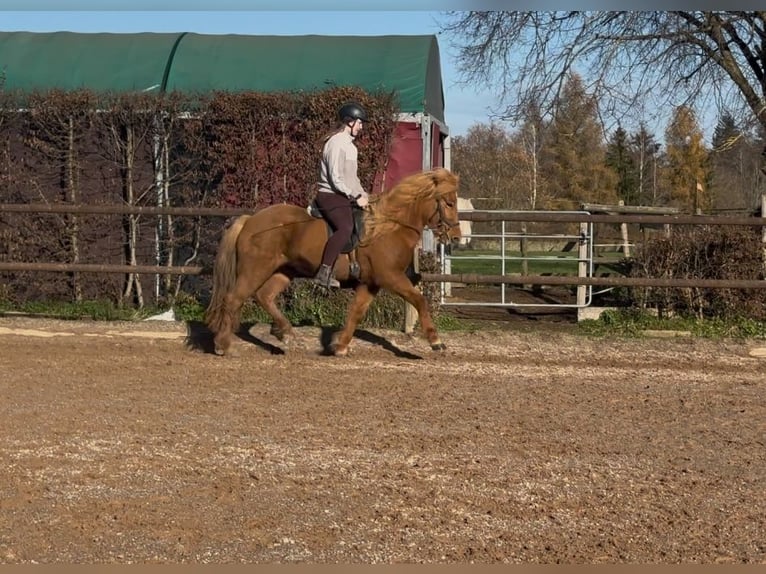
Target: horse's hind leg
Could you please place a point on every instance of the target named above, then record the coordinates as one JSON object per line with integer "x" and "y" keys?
{"x": 266, "y": 296}
{"x": 247, "y": 282}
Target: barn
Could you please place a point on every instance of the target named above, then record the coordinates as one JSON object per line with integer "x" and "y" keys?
{"x": 188, "y": 62}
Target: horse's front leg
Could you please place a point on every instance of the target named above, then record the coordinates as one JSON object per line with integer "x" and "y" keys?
{"x": 363, "y": 296}
{"x": 407, "y": 291}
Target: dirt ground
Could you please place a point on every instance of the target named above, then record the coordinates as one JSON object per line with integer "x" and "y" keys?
{"x": 130, "y": 442}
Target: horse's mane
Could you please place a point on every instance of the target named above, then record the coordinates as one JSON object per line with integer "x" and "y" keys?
{"x": 389, "y": 209}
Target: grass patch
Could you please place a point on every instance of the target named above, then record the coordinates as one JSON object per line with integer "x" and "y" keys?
{"x": 95, "y": 310}
{"x": 303, "y": 303}
{"x": 632, "y": 322}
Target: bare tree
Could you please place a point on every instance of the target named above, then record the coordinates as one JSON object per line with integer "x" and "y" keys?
{"x": 483, "y": 160}
{"x": 128, "y": 126}
{"x": 628, "y": 59}
{"x": 57, "y": 130}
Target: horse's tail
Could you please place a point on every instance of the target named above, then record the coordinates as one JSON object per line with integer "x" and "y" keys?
{"x": 224, "y": 278}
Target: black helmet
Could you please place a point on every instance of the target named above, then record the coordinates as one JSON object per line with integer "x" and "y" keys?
{"x": 352, "y": 111}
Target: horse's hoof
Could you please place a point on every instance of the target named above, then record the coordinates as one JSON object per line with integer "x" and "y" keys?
{"x": 221, "y": 352}
{"x": 339, "y": 351}
{"x": 438, "y": 346}
{"x": 282, "y": 335}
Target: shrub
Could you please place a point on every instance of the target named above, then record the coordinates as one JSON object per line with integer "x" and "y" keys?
{"x": 709, "y": 252}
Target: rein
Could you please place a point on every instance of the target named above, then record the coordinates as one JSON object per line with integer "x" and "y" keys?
{"x": 442, "y": 227}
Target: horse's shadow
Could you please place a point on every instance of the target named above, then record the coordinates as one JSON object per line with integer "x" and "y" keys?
{"x": 200, "y": 338}
{"x": 327, "y": 334}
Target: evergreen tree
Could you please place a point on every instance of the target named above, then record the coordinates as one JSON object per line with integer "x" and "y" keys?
{"x": 737, "y": 181}
{"x": 686, "y": 171}
{"x": 726, "y": 133}
{"x": 574, "y": 160}
{"x": 620, "y": 157}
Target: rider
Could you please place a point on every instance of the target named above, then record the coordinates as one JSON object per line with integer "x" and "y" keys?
{"x": 339, "y": 187}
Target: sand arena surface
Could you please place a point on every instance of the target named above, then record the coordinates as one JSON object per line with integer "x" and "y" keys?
{"x": 128, "y": 442}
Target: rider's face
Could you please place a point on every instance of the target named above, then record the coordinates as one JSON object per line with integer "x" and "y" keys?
{"x": 356, "y": 127}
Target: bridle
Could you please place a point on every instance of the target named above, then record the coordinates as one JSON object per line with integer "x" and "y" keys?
{"x": 441, "y": 228}
{"x": 444, "y": 225}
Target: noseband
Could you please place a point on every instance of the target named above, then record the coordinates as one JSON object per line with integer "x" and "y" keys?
{"x": 444, "y": 225}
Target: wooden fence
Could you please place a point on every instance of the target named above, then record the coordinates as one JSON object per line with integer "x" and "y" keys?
{"x": 528, "y": 217}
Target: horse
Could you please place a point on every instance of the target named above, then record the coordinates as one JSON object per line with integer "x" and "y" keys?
{"x": 261, "y": 253}
{"x": 465, "y": 204}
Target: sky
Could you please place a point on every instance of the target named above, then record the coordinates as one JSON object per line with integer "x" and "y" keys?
{"x": 464, "y": 105}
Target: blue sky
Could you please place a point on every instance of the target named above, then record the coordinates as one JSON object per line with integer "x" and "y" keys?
{"x": 464, "y": 106}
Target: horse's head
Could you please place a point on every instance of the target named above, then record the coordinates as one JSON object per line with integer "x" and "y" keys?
{"x": 444, "y": 220}
{"x": 424, "y": 199}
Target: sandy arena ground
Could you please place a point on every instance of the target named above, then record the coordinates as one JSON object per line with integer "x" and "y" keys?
{"x": 132, "y": 443}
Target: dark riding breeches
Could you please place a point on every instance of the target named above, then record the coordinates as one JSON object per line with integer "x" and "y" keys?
{"x": 336, "y": 209}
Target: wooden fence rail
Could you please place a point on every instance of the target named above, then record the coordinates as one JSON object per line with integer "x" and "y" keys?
{"x": 522, "y": 216}
{"x": 467, "y": 278}
{"x": 473, "y": 278}
{"x": 84, "y": 209}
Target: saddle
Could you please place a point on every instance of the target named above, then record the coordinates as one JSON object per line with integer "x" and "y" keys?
{"x": 356, "y": 233}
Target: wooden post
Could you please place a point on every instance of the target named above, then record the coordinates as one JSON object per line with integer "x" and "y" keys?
{"x": 697, "y": 190}
{"x": 624, "y": 232}
{"x": 447, "y": 271}
{"x": 763, "y": 228}
{"x": 523, "y": 246}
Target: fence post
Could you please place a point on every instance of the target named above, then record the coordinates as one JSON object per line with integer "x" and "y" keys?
{"x": 582, "y": 266}
{"x": 523, "y": 249}
{"x": 763, "y": 229}
{"x": 447, "y": 266}
{"x": 624, "y": 233}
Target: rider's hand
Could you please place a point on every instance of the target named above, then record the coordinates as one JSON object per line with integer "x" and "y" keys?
{"x": 362, "y": 200}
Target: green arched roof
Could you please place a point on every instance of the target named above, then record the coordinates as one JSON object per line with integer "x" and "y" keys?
{"x": 186, "y": 62}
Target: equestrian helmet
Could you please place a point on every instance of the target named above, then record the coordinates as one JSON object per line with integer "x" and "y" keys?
{"x": 352, "y": 111}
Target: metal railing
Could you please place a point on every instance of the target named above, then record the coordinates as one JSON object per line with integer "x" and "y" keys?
{"x": 526, "y": 254}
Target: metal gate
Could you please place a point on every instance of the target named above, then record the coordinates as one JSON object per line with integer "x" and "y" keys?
{"x": 524, "y": 253}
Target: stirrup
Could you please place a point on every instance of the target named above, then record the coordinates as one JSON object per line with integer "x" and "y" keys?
{"x": 325, "y": 278}
{"x": 331, "y": 283}
{"x": 355, "y": 271}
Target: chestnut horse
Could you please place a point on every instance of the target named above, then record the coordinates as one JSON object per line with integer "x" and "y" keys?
{"x": 261, "y": 253}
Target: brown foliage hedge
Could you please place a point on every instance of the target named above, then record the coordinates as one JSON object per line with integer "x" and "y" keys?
{"x": 183, "y": 150}
{"x": 709, "y": 252}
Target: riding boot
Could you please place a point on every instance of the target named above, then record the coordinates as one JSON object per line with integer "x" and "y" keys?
{"x": 324, "y": 277}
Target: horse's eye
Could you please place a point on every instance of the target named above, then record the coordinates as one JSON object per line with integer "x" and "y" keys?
{"x": 449, "y": 203}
